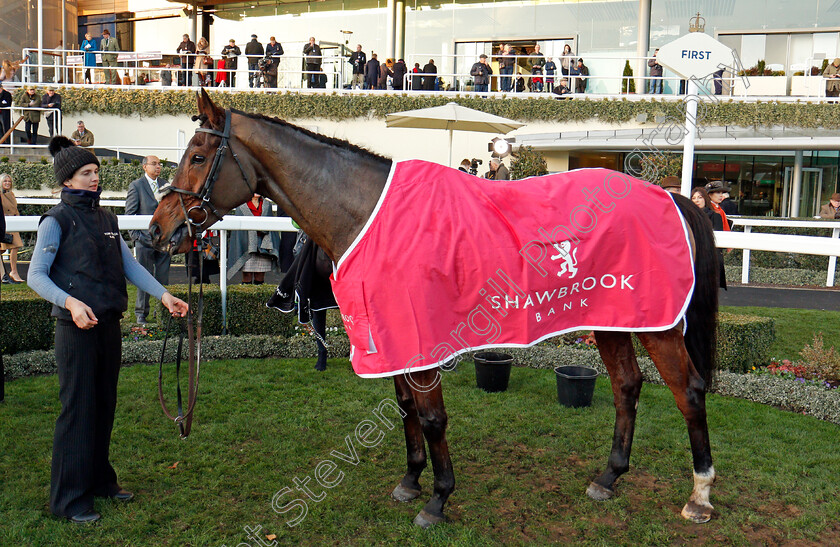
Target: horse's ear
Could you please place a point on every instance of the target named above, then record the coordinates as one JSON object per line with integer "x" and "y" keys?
{"x": 206, "y": 107}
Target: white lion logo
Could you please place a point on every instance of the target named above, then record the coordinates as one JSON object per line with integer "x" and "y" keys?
{"x": 569, "y": 257}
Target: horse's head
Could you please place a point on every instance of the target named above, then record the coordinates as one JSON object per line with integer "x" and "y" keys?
{"x": 209, "y": 182}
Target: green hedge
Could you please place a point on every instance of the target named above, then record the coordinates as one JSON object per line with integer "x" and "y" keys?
{"x": 112, "y": 176}
{"x": 743, "y": 341}
{"x": 27, "y": 324}
{"x": 294, "y": 106}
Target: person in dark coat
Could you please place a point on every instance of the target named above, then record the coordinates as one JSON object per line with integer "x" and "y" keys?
{"x": 701, "y": 198}
{"x": 357, "y": 60}
{"x": 384, "y": 73}
{"x": 399, "y": 71}
{"x": 416, "y": 81}
{"x": 312, "y": 52}
{"x": 52, "y": 100}
{"x": 655, "y": 74}
{"x": 429, "y": 81}
{"x": 481, "y": 72}
{"x": 254, "y": 51}
{"x": 5, "y": 110}
{"x": 187, "y": 50}
{"x": 580, "y": 73}
{"x": 372, "y": 72}
{"x": 273, "y": 50}
{"x": 230, "y": 53}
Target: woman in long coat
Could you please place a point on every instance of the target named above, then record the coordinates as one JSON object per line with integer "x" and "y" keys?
{"x": 89, "y": 47}
{"x": 10, "y": 209}
{"x": 253, "y": 252}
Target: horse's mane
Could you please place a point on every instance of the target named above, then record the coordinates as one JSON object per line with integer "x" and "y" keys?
{"x": 339, "y": 143}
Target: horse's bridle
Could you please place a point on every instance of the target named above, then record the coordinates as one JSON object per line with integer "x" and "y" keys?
{"x": 206, "y": 190}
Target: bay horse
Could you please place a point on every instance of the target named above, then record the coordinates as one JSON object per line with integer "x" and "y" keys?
{"x": 330, "y": 188}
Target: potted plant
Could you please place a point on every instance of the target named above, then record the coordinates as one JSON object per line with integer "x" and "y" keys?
{"x": 811, "y": 84}
{"x": 628, "y": 84}
{"x": 763, "y": 81}
{"x": 492, "y": 371}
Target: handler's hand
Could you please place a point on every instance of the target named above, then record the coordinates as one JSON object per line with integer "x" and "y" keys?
{"x": 176, "y": 306}
{"x": 82, "y": 314}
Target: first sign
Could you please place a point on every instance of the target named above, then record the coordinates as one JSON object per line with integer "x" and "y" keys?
{"x": 695, "y": 55}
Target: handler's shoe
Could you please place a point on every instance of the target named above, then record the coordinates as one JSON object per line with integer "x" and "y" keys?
{"x": 122, "y": 495}
{"x": 85, "y": 517}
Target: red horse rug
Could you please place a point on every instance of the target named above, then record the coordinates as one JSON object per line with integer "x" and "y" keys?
{"x": 450, "y": 263}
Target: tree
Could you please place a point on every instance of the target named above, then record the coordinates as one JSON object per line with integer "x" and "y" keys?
{"x": 628, "y": 79}
{"x": 529, "y": 163}
{"x": 658, "y": 165}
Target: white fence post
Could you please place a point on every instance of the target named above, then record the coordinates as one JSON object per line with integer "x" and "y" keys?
{"x": 832, "y": 261}
{"x": 223, "y": 276}
{"x": 745, "y": 261}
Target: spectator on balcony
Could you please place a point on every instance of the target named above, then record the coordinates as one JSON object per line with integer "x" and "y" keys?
{"x": 221, "y": 75}
{"x": 831, "y": 210}
{"x": 231, "y": 53}
{"x": 5, "y": 110}
{"x": 580, "y": 72}
{"x": 166, "y": 72}
{"x": 429, "y": 81}
{"x": 416, "y": 81}
{"x": 109, "y": 44}
{"x": 357, "y": 60}
{"x": 372, "y": 72}
{"x": 385, "y": 73}
{"x": 254, "y": 51}
{"x": 655, "y": 74}
{"x": 562, "y": 88}
{"x": 273, "y": 50}
{"x": 567, "y": 60}
{"x": 89, "y": 47}
{"x": 203, "y": 63}
{"x": 481, "y": 72}
{"x": 399, "y": 71}
{"x": 31, "y": 117}
{"x": 187, "y": 50}
{"x": 52, "y": 100}
{"x": 312, "y": 52}
{"x": 832, "y": 74}
{"x": 506, "y": 63}
{"x": 536, "y": 62}
{"x": 550, "y": 70}
{"x": 81, "y": 136}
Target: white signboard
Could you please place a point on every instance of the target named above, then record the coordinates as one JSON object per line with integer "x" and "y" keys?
{"x": 695, "y": 54}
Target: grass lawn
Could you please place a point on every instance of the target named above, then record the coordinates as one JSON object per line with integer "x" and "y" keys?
{"x": 522, "y": 464}
{"x": 795, "y": 328}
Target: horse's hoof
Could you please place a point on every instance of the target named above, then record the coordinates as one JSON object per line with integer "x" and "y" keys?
{"x": 697, "y": 513}
{"x": 598, "y": 492}
{"x": 426, "y": 520}
{"x": 403, "y": 494}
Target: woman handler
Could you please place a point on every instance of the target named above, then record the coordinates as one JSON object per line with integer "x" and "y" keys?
{"x": 80, "y": 265}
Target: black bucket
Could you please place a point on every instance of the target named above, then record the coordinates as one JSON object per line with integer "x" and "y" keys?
{"x": 492, "y": 370}
{"x": 575, "y": 385}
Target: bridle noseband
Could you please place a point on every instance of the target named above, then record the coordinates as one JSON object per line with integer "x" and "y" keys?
{"x": 206, "y": 191}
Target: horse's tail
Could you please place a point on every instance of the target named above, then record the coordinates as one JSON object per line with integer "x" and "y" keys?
{"x": 700, "y": 336}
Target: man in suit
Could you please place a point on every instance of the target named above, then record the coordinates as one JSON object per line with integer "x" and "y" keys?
{"x": 312, "y": 56}
{"x": 51, "y": 99}
{"x": 142, "y": 199}
{"x": 5, "y": 112}
{"x": 109, "y": 59}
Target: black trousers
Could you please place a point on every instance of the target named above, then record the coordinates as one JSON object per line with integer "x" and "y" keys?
{"x": 88, "y": 368}
{"x": 31, "y": 132}
{"x": 157, "y": 264}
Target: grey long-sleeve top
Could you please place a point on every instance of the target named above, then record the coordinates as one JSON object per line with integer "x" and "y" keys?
{"x": 46, "y": 246}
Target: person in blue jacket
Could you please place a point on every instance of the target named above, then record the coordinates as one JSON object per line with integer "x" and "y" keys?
{"x": 89, "y": 47}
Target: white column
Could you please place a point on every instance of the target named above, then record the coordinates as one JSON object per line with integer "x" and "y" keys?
{"x": 223, "y": 243}
{"x": 796, "y": 183}
{"x": 390, "y": 29}
{"x": 40, "y": 40}
{"x": 643, "y": 44}
{"x": 691, "y": 133}
{"x": 399, "y": 31}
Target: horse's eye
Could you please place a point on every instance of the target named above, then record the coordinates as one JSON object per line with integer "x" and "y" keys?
{"x": 197, "y": 160}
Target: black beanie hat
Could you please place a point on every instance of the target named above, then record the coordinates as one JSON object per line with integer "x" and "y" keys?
{"x": 69, "y": 158}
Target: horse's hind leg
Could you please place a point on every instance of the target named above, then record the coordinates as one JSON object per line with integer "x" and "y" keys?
{"x": 433, "y": 419}
{"x": 618, "y": 355}
{"x": 319, "y": 323}
{"x": 409, "y": 487}
{"x": 667, "y": 349}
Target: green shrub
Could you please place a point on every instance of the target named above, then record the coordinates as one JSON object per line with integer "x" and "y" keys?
{"x": 528, "y": 163}
{"x": 628, "y": 83}
{"x": 114, "y": 176}
{"x": 27, "y": 324}
{"x": 246, "y": 310}
{"x": 819, "y": 361}
{"x": 743, "y": 341}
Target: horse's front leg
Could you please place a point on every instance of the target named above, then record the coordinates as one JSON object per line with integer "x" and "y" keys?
{"x": 433, "y": 419}
{"x": 409, "y": 487}
{"x": 667, "y": 350}
{"x": 617, "y": 352}
{"x": 319, "y": 323}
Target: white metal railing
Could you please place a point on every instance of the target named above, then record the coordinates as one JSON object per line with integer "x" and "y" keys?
{"x": 813, "y": 245}
{"x": 69, "y": 68}
{"x": 748, "y": 223}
